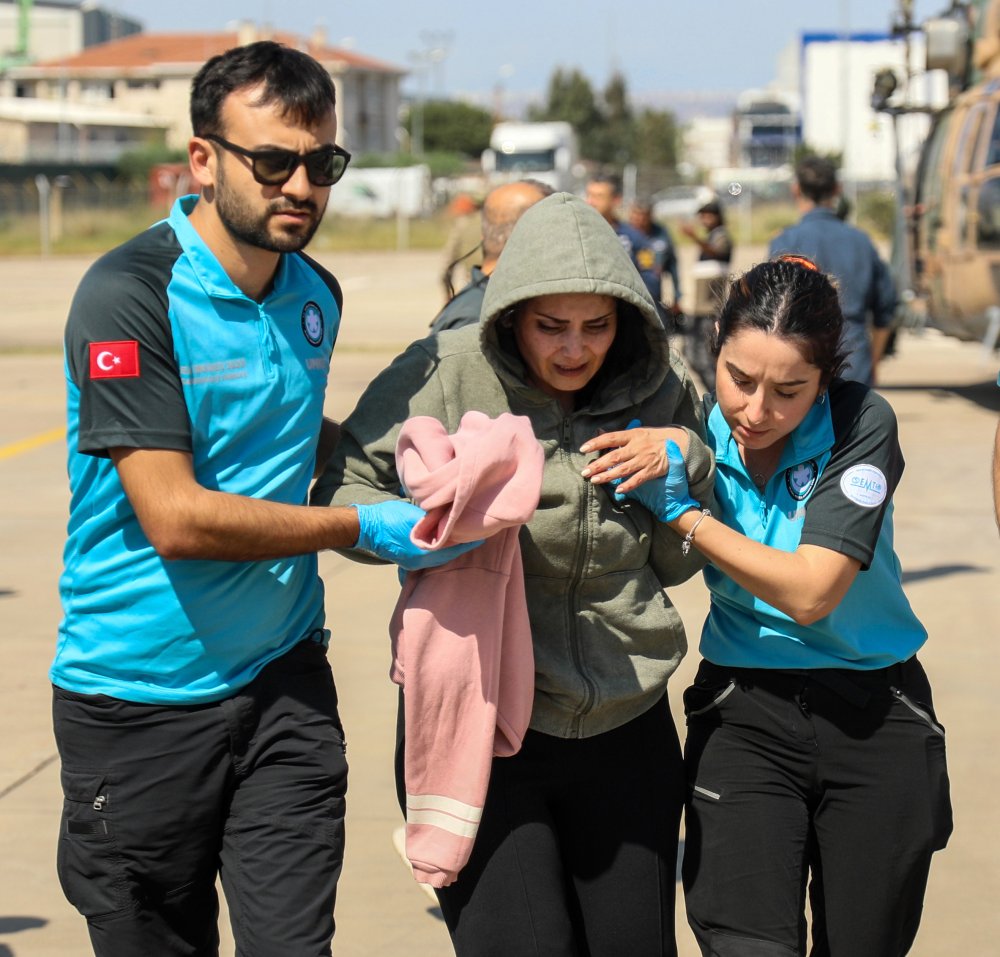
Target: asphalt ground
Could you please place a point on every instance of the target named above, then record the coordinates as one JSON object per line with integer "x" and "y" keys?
{"x": 947, "y": 402}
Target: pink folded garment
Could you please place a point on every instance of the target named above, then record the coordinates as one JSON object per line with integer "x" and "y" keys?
{"x": 461, "y": 637}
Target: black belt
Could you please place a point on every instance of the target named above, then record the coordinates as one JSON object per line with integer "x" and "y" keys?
{"x": 855, "y": 686}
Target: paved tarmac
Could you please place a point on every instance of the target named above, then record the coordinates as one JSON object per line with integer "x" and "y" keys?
{"x": 947, "y": 402}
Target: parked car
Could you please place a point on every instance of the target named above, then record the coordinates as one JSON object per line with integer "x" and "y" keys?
{"x": 680, "y": 202}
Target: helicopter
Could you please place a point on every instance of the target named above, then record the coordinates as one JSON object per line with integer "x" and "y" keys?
{"x": 946, "y": 252}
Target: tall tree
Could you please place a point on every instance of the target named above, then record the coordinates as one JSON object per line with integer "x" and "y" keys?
{"x": 656, "y": 138}
{"x": 610, "y": 132}
{"x": 453, "y": 126}
{"x": 570, "y": 97}
{"x": 614, "y": 140}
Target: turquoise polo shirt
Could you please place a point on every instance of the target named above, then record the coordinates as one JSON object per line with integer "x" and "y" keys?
{"x": 833, "y": 488}
{"x": 163, "y": 351}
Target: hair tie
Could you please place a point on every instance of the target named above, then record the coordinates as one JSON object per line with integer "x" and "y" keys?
{"x": 796, "y": 260}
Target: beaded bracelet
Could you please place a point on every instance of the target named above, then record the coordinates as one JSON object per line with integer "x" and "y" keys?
{"x": 689, "y": 538}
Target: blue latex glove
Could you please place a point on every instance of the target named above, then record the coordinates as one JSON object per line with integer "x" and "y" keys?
{"x": 669, "y": 497}
{"x": 385, "y": 531}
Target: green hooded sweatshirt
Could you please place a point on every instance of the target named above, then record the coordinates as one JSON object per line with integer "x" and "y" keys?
{"x": 605, "y": 633}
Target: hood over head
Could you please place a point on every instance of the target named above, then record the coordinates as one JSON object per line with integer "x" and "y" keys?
{"x": 562, "y": 245}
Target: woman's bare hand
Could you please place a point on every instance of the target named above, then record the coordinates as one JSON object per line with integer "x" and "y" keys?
{"x": 632, "y": 455}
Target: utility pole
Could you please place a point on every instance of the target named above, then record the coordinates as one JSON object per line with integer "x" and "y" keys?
{"x": 428, "y": 61}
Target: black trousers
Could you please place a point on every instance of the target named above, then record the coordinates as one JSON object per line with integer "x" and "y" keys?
{"x": 831, "y": 777}
{"x": 576, "y": 854}
{"x": 159, "y": 800}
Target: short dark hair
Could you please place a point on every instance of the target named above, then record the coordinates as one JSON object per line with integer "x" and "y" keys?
{"x": 289, "y": 77}
{"x": 712, "y": 208}
{"x": 790, "y": 298}
{"x": 611, "y": 179}
{"x": 817, "y": 178}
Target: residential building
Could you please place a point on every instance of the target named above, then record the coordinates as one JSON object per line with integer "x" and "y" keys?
{"x": 149, "y": 74}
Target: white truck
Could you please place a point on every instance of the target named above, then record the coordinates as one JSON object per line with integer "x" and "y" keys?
{"x": 548, "y": 152}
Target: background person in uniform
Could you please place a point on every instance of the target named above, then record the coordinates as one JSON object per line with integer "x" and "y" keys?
{"x": 576, "y": 848}
{"x": 640, "y": 217}
{"x": 501, "y": 209}
{"x": 812, "y": 750}
{"x": 461, "y": 244}
{"x": 846, "y": 253}
{"x": 604, "y": 193}
{"x": 194, "y": 708}
{"x": 709, "y": 277}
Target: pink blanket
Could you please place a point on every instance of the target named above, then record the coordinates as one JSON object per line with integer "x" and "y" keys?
{"x": 461, "y": 639}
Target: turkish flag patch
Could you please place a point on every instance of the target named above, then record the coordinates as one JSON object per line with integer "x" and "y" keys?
{"x": 114, "y": 360}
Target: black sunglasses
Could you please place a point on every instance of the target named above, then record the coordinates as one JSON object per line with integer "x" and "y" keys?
{"x": 275, "y": 167}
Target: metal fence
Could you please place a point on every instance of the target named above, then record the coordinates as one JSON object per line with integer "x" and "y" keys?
{"x": 72, "y": 193}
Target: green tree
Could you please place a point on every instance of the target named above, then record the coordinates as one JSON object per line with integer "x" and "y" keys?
{"x": 656, "y": 139}
{"x": 136, "y": 165}
{"x": 610, "y": 131}
{"x": 453, "y": 126}
{"x": 570, "y": 97}
{"x": 613, "y": 142}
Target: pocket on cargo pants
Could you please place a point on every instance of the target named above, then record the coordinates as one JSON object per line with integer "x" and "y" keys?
{"x": 88, "y": 862}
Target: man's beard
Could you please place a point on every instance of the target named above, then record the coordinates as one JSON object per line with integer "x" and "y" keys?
{"x": 251, "y": 227}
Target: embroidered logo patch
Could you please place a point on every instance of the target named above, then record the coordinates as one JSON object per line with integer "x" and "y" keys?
{"x": 865, "y": 485}
{"x": 312, "y": 323}
{"x": 800, "y": 480}
{"x": 114, "y": 360}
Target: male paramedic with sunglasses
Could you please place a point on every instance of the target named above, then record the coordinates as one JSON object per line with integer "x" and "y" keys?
{"x": 194, "y": 707}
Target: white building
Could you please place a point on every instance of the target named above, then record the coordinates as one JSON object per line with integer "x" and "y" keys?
{"x": 835, "y": 78}
{"x": 708, "y": 142}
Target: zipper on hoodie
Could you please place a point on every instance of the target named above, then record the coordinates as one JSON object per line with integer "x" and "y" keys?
{"x": 566, "y": 434}
{"x": 576, "y": 576}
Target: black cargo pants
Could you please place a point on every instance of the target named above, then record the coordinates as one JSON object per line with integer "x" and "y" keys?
{"x": 830, "y": 776}
{"x": 160, "y": 800}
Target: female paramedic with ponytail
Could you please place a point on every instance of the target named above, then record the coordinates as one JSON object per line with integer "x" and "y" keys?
{"x": 813, "y": 753}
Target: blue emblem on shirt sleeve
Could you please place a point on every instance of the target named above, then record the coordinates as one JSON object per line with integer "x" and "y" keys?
{"x": 312, "y": 323}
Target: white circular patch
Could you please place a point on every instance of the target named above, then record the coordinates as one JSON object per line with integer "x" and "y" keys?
{"x": 865, "y": 485}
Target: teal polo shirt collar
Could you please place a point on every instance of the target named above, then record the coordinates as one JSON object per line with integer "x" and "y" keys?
{"x": 811, "y": 438}
{"x": 212, "y": 277}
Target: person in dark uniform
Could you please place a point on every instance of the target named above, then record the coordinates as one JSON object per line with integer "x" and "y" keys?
{"x": 867, "y": 290}
{"x": 604, "y": 193}
{"x": 640, "y": 217}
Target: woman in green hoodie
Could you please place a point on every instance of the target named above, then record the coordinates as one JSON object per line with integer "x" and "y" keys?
{"x": 576, "y": 850}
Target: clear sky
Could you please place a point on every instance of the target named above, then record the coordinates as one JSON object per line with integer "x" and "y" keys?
{"x": 660, "y": 45}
